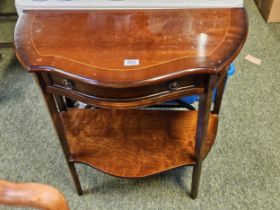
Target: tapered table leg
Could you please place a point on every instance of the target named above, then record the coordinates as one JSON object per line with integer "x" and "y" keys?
{"x": 204, "y": 108}
{"x": 55, "y": 105}
{"x": 219, "y": 96}
{"x": 195, "y": 180}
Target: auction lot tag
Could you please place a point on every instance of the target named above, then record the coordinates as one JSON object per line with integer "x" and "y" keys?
{"x": 131, "y": 62}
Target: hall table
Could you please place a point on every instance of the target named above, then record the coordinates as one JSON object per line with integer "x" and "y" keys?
{"x": 98, "y": 69}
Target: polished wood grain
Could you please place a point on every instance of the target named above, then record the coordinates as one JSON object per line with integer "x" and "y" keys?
{"x": 91, "y": 46}
{"x": 134, "y": 143}
{"x": 108, "y": 97}
{"x": 124, "y": 98}
{"x": 80, "y": 56}
{"x": 31, "y": 195}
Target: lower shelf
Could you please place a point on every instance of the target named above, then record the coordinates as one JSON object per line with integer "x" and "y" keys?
{"x": 134, "y": 143}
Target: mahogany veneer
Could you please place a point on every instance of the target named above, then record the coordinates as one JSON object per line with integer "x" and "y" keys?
{"x": 92, "y": 45}
{"x": 134, "y": 143}
{"x": 83, "y": 56}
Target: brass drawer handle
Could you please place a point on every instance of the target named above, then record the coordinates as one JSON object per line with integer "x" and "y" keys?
{"x": 173, "y": 85}
{"x": 68, "y": 84}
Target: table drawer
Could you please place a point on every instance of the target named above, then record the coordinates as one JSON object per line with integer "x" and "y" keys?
{"x": 109, "y": 93}
{"x": 112, "y": 97}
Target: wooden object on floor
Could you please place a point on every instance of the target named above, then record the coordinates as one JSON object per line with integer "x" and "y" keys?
{"x": 128, "y": 59}
{"x": 31, "y": 195}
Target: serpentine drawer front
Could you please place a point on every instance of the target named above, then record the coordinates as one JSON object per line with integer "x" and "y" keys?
{"x": 183, "y": 85}
{"x": 115, "y": 61}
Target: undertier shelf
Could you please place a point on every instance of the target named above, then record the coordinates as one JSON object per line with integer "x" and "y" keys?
{"x": 134, "y": 143}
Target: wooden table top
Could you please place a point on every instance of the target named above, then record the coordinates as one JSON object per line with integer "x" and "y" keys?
{"x": 104, "y": 47}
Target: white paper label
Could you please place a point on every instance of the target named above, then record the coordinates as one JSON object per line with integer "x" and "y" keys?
{"x": 131, "y": 62}
{"x": 253, "y": 59}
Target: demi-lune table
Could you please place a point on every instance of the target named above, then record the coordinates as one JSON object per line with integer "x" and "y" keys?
{"x": 112, "y": 63}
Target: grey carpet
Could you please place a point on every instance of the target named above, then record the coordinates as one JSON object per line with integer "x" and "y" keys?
{"x": 241, "y": 172}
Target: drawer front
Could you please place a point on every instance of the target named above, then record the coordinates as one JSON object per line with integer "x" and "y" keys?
{"x": 126, "y": 94}
{"x": 123, "y": 98}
